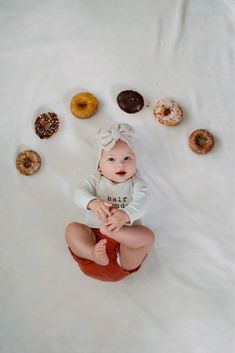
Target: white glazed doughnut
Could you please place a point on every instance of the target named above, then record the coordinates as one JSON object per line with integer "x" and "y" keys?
{"x": 168, "y": 112}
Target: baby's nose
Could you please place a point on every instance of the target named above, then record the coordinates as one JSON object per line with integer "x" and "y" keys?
{"x": 120, "y": 163}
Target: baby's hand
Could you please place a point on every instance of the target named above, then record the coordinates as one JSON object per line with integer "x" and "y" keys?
{"x": 101, "y": 208}
{"x": 116, "y": 220}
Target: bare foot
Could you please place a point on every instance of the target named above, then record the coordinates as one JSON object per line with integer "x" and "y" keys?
{"x": 99, "y": 253}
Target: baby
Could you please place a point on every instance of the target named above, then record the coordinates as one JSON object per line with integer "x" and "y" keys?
{"x": 113, "y": 243}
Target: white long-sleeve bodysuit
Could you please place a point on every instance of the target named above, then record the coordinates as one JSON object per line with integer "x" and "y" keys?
{"x": 130, "y": 196}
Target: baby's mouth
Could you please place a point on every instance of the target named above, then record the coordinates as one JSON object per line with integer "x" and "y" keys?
{"x": 121, "y": 173}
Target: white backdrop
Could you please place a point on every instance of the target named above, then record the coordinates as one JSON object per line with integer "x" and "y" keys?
{"x": 181, "y": 299}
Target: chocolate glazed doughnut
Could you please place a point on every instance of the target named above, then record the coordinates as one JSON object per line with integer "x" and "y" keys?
{"x": 130, "y": 101}
{"x": 46, "y": 125}
{"x": 201, "y": 141}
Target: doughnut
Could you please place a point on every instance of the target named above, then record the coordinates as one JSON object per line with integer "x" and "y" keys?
{"x": 46, "y": 125}
{"x": 83, "y": 105}
{"x": 28, "y": 162}
{"x": 168, "y": 112}
{"x": 130, "y": 101}
{"x": 201, "y": 141}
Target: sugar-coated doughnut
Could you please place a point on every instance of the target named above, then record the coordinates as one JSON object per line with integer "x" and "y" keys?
{"x": 46, "y": 125}
{"x": 83, "y": 105}
{"x": 201, "y": 141}
{"x": 28, "y": 162}
{"x": 168, "y": 112}
{"x": 130, "y": 101}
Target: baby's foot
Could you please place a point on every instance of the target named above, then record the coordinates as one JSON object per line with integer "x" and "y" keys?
{"x": 99, "y": 253}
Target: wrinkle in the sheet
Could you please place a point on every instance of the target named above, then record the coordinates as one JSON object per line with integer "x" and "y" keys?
{"x": 178, "y": 25}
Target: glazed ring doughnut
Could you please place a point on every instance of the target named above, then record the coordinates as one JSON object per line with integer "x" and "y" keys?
{"x": 46, "y": 125}
{"x": 28, "y": 162}
{"x": 168, "y": 112}
{"x": 201, "y": 141}
{"x": 83, "y": 105}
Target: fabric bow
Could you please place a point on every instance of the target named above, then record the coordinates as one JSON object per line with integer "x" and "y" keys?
{"x": 108, "y": 137}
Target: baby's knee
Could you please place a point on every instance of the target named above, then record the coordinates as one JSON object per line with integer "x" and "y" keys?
{"x": 70, "y": 230}
{"x": 150, "y": 238}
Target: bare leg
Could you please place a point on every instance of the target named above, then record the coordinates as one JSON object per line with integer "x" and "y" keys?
{"x": 82, "y": 242}
{"x": 134, "y": 236}
{"x": 135, "y": 243}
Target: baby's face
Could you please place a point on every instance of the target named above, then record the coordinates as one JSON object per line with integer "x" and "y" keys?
{"x": 119, "y": 164}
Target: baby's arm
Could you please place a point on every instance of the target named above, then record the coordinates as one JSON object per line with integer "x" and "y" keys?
{"x": 137, "y": 207}
{"x": 85, "y": 197}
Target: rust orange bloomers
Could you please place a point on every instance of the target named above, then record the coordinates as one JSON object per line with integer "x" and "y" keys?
{"x": 111, "y": 272}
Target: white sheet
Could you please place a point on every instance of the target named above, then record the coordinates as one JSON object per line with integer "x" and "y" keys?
{"x": 181, "y": 300}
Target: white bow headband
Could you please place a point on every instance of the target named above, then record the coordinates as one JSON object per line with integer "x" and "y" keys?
{"x": 106, "y": 138}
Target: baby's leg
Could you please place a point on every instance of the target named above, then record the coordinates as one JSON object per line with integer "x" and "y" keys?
{"x": 82, "y": 242}
{"x": 135, "y": 243}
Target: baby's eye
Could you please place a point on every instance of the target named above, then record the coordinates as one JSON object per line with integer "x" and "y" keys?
{"x": 127, "y": 158}
{"x": 111, "y": 159}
